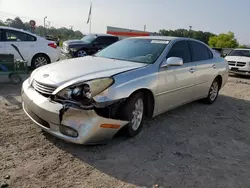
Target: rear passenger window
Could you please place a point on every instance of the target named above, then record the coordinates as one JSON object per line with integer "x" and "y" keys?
{"x": 12, "y": 35}
{"x": 180, "y": 49}
{"x": 200, "y": 52}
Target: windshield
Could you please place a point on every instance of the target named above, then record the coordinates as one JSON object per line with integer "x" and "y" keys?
{"x": 138, "y": 50}
{"x": 245, "y": 53}
{"x": 89, "y": 38}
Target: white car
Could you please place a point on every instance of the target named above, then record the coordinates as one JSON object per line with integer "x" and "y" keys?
{"x": 239, "y": 61}
{"x": 37, "y": 51}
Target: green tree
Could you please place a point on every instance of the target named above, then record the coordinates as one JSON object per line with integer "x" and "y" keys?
{"x": 63, "y": 33}
{"x": 242, "y": 46}
{"x": 199, "y": 35}
{"x": 223, "y": 40}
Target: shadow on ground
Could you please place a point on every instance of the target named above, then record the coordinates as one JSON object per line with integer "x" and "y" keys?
{"x": 195, "y": 145}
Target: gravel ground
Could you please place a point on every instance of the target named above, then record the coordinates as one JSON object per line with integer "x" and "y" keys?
{"x": 195, "y": 145}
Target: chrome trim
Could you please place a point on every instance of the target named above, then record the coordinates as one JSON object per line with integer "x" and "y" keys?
{"x": 42, "y": 88}
{"x": 173, "y": 90}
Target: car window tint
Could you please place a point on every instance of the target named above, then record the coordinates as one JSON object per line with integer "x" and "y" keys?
{"x": 18, "y": 36}
{"x": 180, "y": 49}
{"x": 199, "y": 51}
{"x": 105, "y": 40}
{"x": 1, "y": 33}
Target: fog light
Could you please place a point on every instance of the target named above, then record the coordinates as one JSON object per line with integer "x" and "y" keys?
{"x": 68, "y": 131}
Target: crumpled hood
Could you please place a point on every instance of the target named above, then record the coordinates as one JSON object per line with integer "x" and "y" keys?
{"x": 83, "y": 68}
{"x": 238, "y": 58}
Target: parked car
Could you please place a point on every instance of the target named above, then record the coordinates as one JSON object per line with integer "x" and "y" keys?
{"x": 53, "y": 38}
{"x": 88, "y": 45}
{"x": 96, "y": 96}
{"x": 223, "y": 51}
{"x": 239, "y": 61}
{"x": 36, "y": 50}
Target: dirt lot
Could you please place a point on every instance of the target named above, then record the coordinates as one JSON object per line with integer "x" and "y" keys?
{"x": 195, "y": 145}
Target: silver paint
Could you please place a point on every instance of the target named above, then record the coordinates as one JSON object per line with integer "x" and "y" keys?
{"x": 170, "y": 86}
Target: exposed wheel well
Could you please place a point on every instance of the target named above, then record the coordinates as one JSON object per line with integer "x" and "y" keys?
{"x": 40, "y": 54}
{"x": 149, "y": 101}
{"x": 219, "y": 77}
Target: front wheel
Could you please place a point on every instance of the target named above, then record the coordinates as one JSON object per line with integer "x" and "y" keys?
{"x": 134, "y": 113}
{"x": 213, "y": 92}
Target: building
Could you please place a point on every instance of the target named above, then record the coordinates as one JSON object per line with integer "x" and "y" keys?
{"x": 124, "y": 33}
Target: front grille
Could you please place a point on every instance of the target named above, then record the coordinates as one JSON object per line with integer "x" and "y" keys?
{"x": 42, "y": 88}
{"x": 236, "y": 64}
{"x": 240, "y": 64}
{"x": 65, "y": 47}
{"x": 232, "y": 63}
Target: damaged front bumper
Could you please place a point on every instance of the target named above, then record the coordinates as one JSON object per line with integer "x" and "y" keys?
{"x": 90, "y": 128}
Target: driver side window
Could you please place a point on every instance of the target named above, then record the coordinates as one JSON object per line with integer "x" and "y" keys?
{"x": 180, "y": 49}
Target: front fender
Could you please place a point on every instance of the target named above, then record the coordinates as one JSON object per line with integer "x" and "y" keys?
{"x": 128, "y": 82}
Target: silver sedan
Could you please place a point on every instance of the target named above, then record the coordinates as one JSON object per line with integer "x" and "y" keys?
{"x": 88, "y": 100}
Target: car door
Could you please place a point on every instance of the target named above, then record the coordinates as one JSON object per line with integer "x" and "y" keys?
{"x": 2, "y": 46}
{"x": 24, "y": 42}
{"x": 205, "y": 67}
{"x": 176, "y": 83}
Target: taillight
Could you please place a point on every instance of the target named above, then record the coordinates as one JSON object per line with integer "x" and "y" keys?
{"x": 52, "y": 45}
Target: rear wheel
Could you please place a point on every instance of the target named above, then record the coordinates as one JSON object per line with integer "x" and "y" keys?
{"x": 134, "y": 113}
{"x": 81, "y": 53}
{"x": 213, "y": 92}
{"x": 39, "y": 60}
{"x": 15, "y": 78}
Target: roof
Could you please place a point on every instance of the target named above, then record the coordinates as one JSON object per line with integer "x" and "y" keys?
{"x": 12, "y": 28}
{"x": 159, "y": 37}
{"x": 101, "y": 34}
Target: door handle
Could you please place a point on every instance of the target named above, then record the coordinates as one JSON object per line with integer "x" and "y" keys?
{"x": 192, "y": 70}
{"x": 214, "y": 66}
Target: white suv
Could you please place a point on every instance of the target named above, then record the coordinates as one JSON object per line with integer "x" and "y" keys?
{"x": 37, "y": 51}
{"x": 239, "y": 61}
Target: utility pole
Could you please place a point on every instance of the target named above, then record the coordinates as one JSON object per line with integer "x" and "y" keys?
{"x": 44, "y": 25}
{"x": 190, "y": 30}
{"x": 145, "y": 27}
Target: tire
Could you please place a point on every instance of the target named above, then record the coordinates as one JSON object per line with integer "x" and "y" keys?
{"x": 213, "y": 92}
{"x": 39, "y": 60}
{"x": 15, "y": 78}
{"x": 134, "y": 113}
{"x": 81, "y": 53}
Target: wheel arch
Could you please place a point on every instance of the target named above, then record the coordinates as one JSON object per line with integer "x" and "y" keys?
{"x": 40, "y": 53}
{"x": 149, "y": 100}
{"x": 219, "y": 77}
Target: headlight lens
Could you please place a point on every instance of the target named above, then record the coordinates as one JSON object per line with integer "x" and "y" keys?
{"x": 86, "y": 89}
{"x": 73, "y": 49}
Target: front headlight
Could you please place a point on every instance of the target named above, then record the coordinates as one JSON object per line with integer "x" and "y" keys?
{"x": 73, "y": 49}
{"x": 86, "y": 89}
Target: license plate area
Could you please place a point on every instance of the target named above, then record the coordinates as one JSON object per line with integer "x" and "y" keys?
{"x": 234, "y": 69}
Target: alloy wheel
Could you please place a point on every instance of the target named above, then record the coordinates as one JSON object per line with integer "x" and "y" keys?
{"x": 40, "y": 61}
{"x": 137, "y": 114}
{"x": 214, "y": 91}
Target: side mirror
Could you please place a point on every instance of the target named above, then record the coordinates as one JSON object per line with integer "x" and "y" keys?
{"x": 172, "y": 61}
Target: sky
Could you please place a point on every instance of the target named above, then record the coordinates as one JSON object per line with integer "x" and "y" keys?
{"x": 216, "y": 16}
